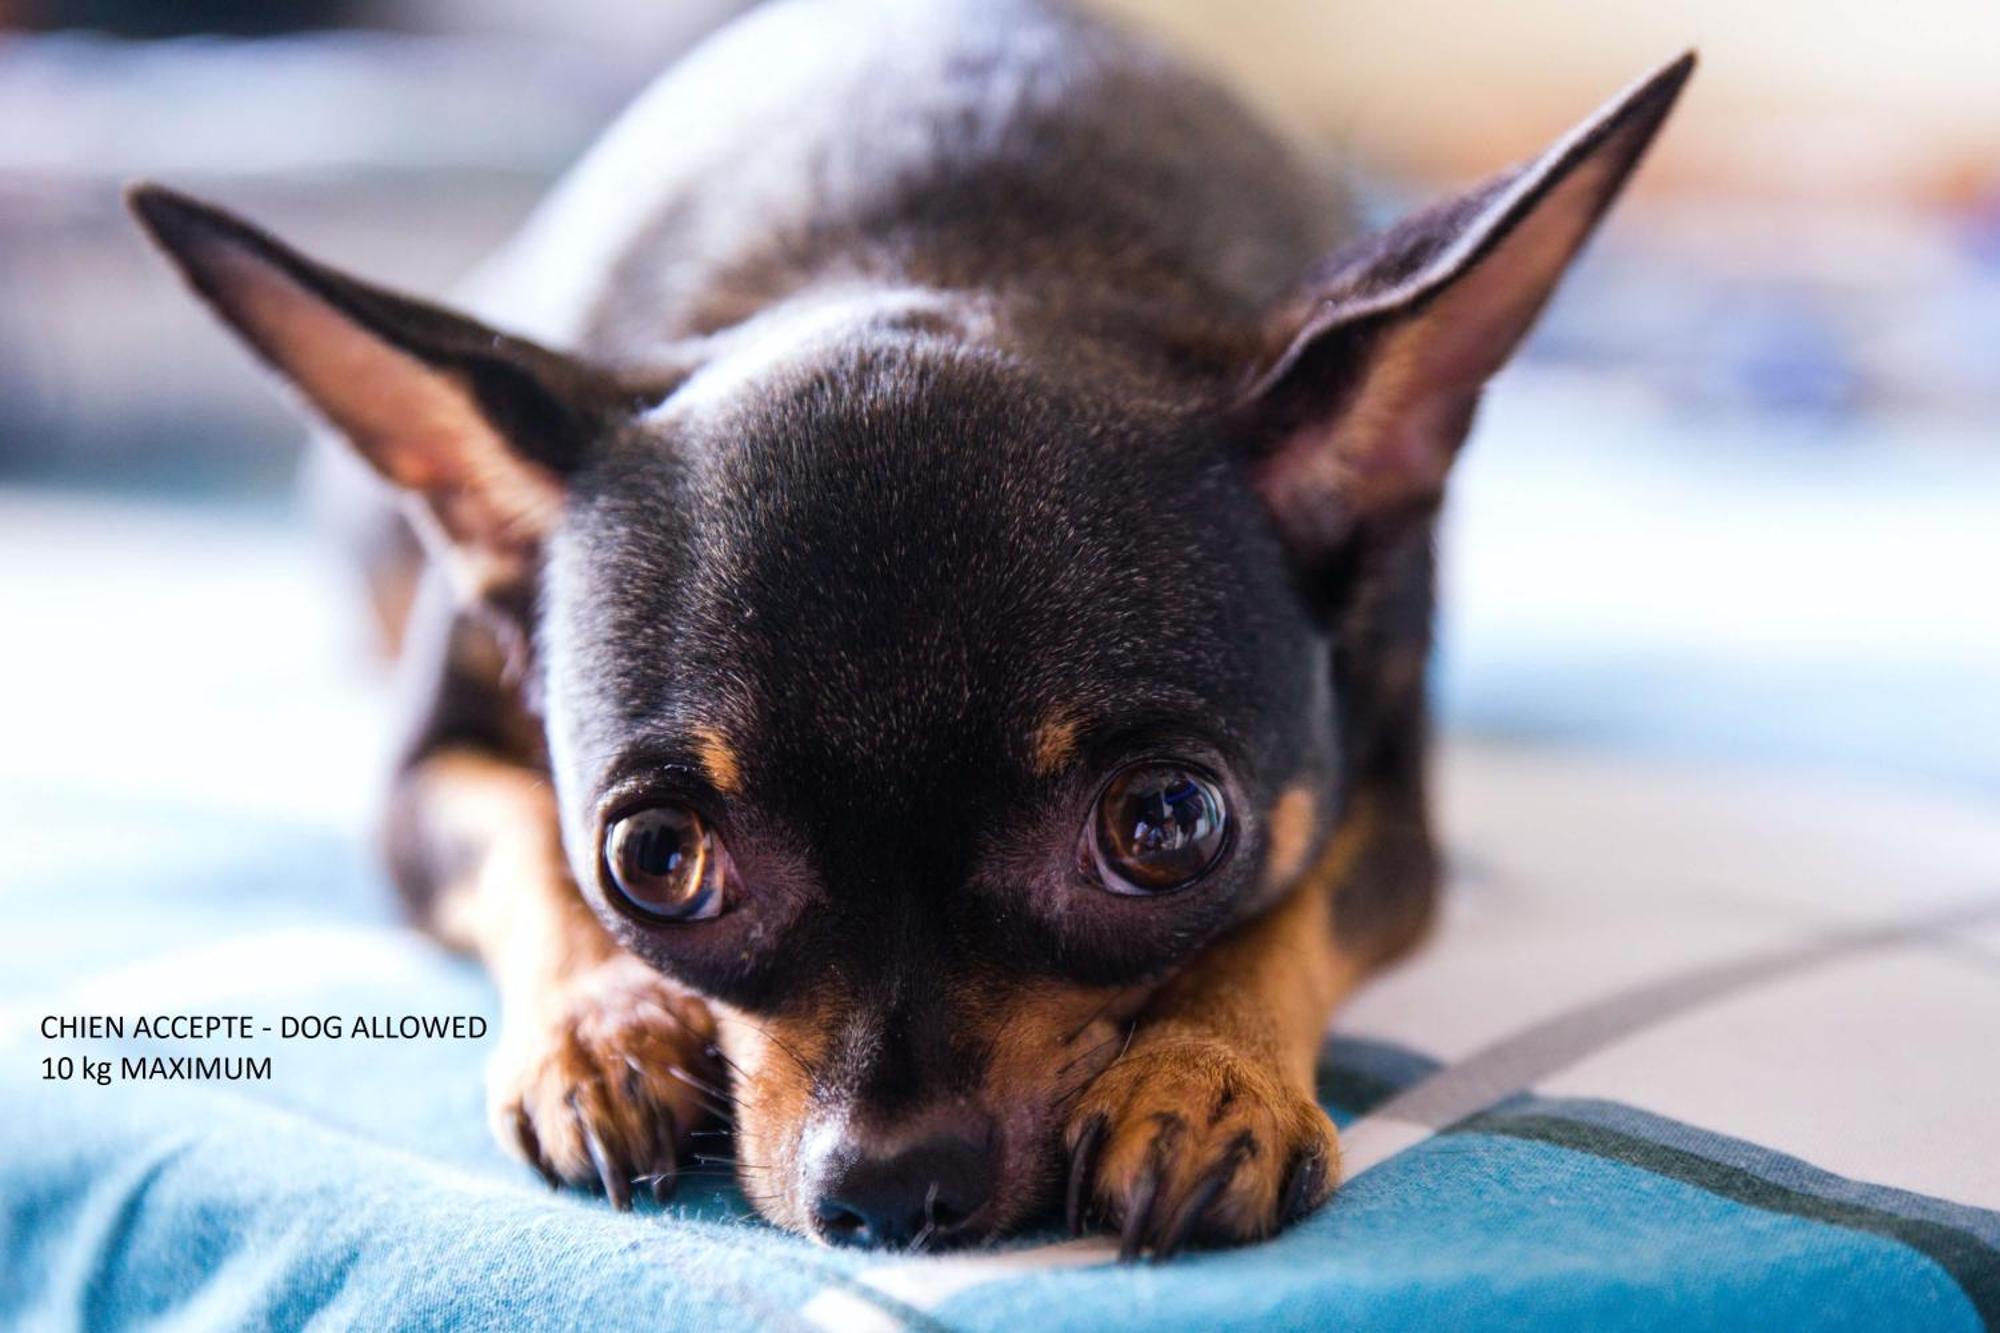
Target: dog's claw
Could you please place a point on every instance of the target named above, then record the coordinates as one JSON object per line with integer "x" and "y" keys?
{"x": 1200, "y": 1144}
{"x": 1139, "y": 1207}
{"x": 1082, "y": 1170}
{"x": 594, "y": 1093}
{"x": 531, "y": 1148}
{"x": 1302, "y": 1190}
{"x": 1200, "y": 1198}
{"x": 616, "y": 1187}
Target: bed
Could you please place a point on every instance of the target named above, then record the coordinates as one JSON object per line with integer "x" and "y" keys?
{"x": 1698, "y": 1044}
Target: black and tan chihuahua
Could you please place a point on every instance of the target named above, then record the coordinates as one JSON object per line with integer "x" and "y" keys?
{"x": 930, "y": 635}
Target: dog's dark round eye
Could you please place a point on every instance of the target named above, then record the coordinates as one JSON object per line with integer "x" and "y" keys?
{"x": 1158, "y": 827}
{"x": 665, "y": 864}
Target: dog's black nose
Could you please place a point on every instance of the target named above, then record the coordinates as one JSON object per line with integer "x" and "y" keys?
{"x": 929, "y": 1196}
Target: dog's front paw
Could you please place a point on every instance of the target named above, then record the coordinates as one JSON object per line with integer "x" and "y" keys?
{"x": 602, "y": 1086}
{"x": 1185, "y": 1140}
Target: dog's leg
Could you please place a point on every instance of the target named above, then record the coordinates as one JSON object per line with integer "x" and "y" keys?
{"x": 603, "y": 1066}
{"x": 1207, "y": 1127}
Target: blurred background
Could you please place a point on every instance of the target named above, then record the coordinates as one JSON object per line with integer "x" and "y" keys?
{"x": 1740, "y": 501}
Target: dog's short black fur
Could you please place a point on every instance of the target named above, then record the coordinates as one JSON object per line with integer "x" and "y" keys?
{"x": 956, "y": 403}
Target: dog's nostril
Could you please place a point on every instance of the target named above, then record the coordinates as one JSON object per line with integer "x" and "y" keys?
{"x": 929, "y": 1196}
{"x": 841, "y": 1224}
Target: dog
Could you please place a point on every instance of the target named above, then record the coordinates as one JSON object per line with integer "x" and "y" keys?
{"x": 926, "y": 584}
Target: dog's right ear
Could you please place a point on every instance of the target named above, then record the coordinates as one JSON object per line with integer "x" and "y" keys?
{"x": 481, "y": 427}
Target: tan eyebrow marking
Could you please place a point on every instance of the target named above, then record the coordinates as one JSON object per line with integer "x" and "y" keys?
{"x": 1054, "y": 743}
{"x": 718, "y": 760}
{"x": 1289, "y": 837}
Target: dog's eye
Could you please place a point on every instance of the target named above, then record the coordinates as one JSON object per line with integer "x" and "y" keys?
{"x": 1158, "y": 827}
{"x": 665, "y": 864}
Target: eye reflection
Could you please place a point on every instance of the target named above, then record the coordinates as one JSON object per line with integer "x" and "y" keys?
{"x": 1158, "y": 827}
{"x": 664, "y": 864}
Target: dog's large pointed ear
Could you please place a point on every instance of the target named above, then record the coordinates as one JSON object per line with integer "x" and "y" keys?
{"x": 1376, "y": 367}
{"x": 480, "y": 426}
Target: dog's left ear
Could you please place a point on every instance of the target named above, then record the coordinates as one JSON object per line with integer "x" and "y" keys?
{"x": 1378, "y": 364}
{"x": 479, "y": 427}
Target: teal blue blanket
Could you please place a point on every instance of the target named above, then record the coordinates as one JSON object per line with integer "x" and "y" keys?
{"x": 356, "y": 1185}
{"x": 1695, "y": 1047}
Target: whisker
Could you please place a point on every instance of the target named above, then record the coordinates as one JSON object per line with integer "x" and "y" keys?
{"x": 1083, "y": 1055}
{"x": 699, "y": 1084}
{"x": 707, "y": 1099}
{"x": 721, "y": 1057}
{"x": 713, "y": 1099}
{"x": 733, "y": 1162}
{"x": 805, "y": 1066}
{"x": 1089, "y": 1077}
{"x": 922, "y": 1239}
{"x": 1095, "y": 1014}
{"x": 757, "y": 1199}
{"x": 708, "y": 1048}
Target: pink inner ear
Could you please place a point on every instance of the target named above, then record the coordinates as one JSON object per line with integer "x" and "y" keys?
{"x": 417, "y": 425}
{"x": 1428, "y": 335}
{"x": 1389, "y": 445}
{"x": 1471, "y": 327}
{"x": 1387, "y": 451}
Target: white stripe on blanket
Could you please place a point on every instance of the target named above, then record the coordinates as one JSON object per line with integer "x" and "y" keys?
{"x": 1723, "y": 951}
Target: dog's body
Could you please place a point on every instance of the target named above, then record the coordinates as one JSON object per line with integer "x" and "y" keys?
{"x": 960, "y": 437}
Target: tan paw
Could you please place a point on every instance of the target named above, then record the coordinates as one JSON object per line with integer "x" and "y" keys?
{"x": 604, "y": 1085}
{"x": 1186, "y": 1141}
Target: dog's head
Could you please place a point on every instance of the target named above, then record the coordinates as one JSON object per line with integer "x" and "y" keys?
{"x": 915, "y": 697}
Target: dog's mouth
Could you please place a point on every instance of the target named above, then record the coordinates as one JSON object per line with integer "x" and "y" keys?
{"x": 977, "y": 1153}
{"x": 933, "y": 1185}
{"x": 946, "y": 1177}
{"x": 952, "y": 1173}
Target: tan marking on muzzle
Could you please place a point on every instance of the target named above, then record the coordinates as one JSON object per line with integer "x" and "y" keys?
{"x": 1045, "y": 1042}
{"x": 775, "y": 1061}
